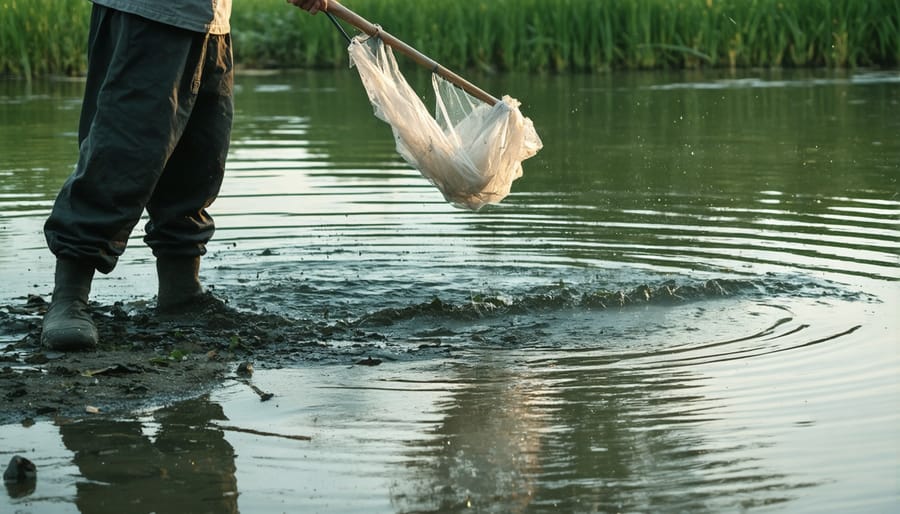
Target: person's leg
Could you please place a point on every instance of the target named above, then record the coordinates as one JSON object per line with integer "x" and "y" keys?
{"x": 133, "y": 115}
{"x": 180, "y": 227}
{"x": 140, "y": 75}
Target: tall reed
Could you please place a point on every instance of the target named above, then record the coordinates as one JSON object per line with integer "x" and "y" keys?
{"x": 39, "y": 37}
{"x": 592, "y": 35}
{"x": 48, "y": 36}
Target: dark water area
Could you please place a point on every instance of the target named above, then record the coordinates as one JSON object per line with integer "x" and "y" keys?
{"x": 688, "y": 303}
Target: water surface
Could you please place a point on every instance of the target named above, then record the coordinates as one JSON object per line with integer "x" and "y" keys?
{"x": 751, "y": 223}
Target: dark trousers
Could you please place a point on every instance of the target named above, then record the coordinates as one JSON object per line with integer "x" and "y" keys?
{"x": 154, "y": 133}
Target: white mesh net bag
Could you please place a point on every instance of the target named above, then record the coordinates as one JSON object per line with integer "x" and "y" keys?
{"x": 470, "y": 150}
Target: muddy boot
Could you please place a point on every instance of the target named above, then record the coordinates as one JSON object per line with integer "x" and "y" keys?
{"x": 68, "y": 325}
{"x": 179, "y": 282}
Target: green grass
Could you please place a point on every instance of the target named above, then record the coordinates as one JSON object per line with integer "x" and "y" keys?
{"x": 40, "y": 37}
{"x": 48, "y": 36}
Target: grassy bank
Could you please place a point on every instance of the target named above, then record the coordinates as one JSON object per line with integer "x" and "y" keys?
{"x": 40, "y": 37}
{"x": 47, "y": 36}
{"x": 592, "y": 35}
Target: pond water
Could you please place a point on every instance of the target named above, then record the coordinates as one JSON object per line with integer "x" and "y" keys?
{"x": 758, "y": 212}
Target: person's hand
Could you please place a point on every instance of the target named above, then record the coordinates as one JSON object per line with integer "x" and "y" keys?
{"x": 313, "y": 6}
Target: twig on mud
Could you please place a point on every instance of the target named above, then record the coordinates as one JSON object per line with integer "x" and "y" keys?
{"x": 263, "y": 396}
{"x": 246, "y": 369}
{"x": 260, "y": 432}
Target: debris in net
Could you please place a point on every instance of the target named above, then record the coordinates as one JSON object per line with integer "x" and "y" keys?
{"x": 471, "y": 151}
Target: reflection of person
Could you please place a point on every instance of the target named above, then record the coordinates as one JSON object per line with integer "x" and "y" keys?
{"x": 154, "y": 133}
{"x": 186, "y": 466}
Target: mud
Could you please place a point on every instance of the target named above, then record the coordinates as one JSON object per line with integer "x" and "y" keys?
{"x": 145, "y": 359}
{"x": 148, "y": 360}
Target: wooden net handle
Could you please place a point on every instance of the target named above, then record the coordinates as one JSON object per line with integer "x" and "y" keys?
{"x": 335, "y": 8}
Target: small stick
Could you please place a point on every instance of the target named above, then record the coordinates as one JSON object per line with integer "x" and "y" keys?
{"x": 263, "y": 396}
{"x": 260, "y": 432}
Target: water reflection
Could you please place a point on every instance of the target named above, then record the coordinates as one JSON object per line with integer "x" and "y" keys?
{"x": 535, "y": 401}
{"x": 711, "y": 406}
{"x": 486, "y": 452}
{"x": 175, "y": 461}
{"x": 655, "y": 172}
{"x": 636, "y": 174}
{"x": 584, "y": 434}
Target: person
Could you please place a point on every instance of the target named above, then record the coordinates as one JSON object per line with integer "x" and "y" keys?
{"x": 153, "y": 134}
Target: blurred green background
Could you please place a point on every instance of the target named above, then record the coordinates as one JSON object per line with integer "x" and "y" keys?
{"x": 40, "y": 37}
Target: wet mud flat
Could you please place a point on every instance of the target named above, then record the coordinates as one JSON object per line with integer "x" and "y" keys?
{"x": 145, "y": 359}
{"x": 408, "y": 398}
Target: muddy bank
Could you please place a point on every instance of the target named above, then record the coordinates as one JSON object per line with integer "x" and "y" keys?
{"x": 145, "y": 359}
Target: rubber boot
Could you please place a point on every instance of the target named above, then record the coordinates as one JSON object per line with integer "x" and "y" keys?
{"x": 67, "y": 324}
{"x": 179, "y": 282}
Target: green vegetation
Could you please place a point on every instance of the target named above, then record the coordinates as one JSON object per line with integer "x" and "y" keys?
{"x": 591, "y": 35}
{"x": 39, "y": 37}
{"x": 47, "y": 36}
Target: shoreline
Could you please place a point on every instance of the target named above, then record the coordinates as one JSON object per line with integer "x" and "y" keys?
{"x": 516, "y": 35}
{"x": 142, "y": 359}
